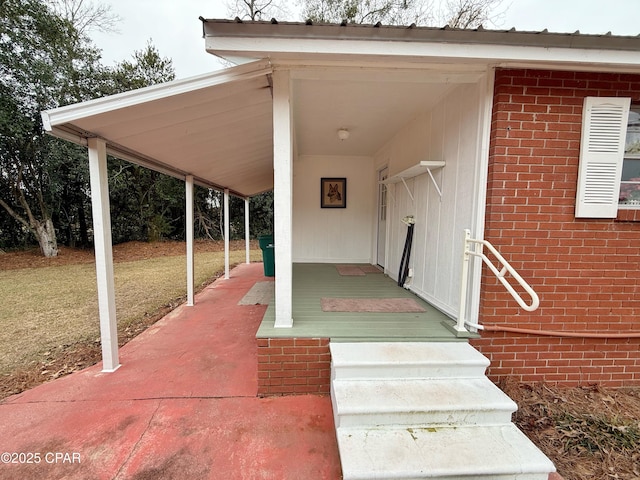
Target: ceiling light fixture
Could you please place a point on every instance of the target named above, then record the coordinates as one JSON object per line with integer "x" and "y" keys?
{"x": 343, "y": 134}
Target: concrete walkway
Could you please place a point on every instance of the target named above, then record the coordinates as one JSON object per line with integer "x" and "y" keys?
{"x": 183, "y": 405}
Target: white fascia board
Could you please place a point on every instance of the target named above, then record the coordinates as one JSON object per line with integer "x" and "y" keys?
{"x": 285, "y": 48}
{"x": 59, "y": 116}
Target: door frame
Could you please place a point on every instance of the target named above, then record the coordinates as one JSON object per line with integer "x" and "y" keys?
{"x": 382, "y": 210}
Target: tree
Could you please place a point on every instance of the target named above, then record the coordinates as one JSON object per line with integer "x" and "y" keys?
{"x": 261, "y": 214}
{"x": 44, "y": 63}
{"x": 86, "y": 16}
{"x": 146, "y": 205}
{"x": 146, "y": 68}
{"x": 454, "y": 13}
{"x": 256, "y": 9}
{"x": 472, "y": 13}
{"x": 389, "y": 12}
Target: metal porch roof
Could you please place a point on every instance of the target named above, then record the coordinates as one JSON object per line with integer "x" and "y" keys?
{"x": 284, "y": 42}
{"x": 413, "y": 33}
{"x": 216, "y": 127}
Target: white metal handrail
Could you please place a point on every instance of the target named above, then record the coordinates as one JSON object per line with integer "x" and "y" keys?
{"x": 475, "y": 247}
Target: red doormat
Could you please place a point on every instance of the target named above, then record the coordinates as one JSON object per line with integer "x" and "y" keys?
{"x": 357, "y": 270}
{"x": 370, "y": 269}
{"x": 371, "y": 305}
{"x": 350, "y": 270}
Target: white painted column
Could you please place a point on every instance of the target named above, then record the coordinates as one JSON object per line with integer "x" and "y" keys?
{"x": 283, "y": 197}
{"x": 104, "y": 253}
{"x": 226, "y": 233}
{"x": 246, "y": 231}
{"x": 189, "y": 234}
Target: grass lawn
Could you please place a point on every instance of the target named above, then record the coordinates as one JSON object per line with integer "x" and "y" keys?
{"x": 44, "y": 309}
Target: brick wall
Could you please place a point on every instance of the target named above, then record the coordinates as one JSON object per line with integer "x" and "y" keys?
{"x": 587, "y": 272}
{"x": 293, "y": 366}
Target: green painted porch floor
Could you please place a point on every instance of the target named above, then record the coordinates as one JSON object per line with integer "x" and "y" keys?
{"x": 311, "y": 282}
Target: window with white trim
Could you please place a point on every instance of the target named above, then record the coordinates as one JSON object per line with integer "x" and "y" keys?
{"x": 602, "y": 152}
{"x": 630, "y": 182}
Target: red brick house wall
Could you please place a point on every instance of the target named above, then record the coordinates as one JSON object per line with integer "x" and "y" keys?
{"x": 586, "y": 271}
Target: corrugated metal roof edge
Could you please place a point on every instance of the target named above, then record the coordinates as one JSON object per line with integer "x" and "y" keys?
{"x": 413, "y": 33}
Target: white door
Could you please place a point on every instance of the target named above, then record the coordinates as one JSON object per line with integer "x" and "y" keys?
{"x": 382, "y": 216}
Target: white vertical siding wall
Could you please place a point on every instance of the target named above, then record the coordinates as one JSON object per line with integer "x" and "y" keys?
{"x": 333, "y": 235}
{"x": 448, "y": 132}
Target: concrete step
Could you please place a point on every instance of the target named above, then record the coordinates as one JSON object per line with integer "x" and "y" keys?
{"x": 420, "y": 402}
{"x": 447, "y": 453}
{"x": 406, "y": 360}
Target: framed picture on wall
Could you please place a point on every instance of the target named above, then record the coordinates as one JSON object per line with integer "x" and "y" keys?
{"x": 333, "y": 193}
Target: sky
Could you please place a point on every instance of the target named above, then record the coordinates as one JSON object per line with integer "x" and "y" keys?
{"x": 174, "y": 28}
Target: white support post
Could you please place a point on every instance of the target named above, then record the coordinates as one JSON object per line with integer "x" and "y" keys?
{"x": 226, "y": 233}
{"x": 104, "y": 254}
{"x": 246, "y": 231}
{"x": 283, "y": 198}
{"x": 189, "y": 234}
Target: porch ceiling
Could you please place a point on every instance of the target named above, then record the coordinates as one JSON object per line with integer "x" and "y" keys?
{"x": 216, "y": 127}
{"x": 370, "y": 103}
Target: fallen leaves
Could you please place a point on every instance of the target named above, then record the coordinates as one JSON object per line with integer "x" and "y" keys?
{"x": 590, "y": 433}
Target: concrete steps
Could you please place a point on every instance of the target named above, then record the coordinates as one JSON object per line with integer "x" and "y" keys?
{"x": 425, "y": 410}
{"x": 419, "y": 403}
{"x": 405, "y": 360}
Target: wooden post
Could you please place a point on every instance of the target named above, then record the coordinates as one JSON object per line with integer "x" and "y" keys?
{"x": 246, "y": 231}
{"x": 189, "y": 235}
{"x": 104, "y": 253}
{"x": 226, "y": 233}
{"x": 282, "y": 198}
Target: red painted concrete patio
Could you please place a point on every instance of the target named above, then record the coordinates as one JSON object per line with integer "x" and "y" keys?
{"x": 182, "y": 405}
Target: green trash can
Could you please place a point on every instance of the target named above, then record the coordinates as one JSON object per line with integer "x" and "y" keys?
{"x": 268, "y": 255}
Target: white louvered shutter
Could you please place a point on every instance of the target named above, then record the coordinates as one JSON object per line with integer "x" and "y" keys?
{"x": 604, "y": 128}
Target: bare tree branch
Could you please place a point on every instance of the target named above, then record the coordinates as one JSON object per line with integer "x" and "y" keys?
{"x": 19, "y": 193}
{"x": 257, "y": 9}
{"x": 454, "y": 13}
{"x": 472, "y": 13}
{"x": 14, "y": 214}
{"x": 87, "y": 16}
{"x": 204, "y": 222}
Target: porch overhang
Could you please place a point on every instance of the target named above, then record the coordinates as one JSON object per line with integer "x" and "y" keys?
{"x": 216, "y": 128}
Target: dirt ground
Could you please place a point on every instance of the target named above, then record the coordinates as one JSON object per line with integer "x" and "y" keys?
{"x": 590, "y": 433}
